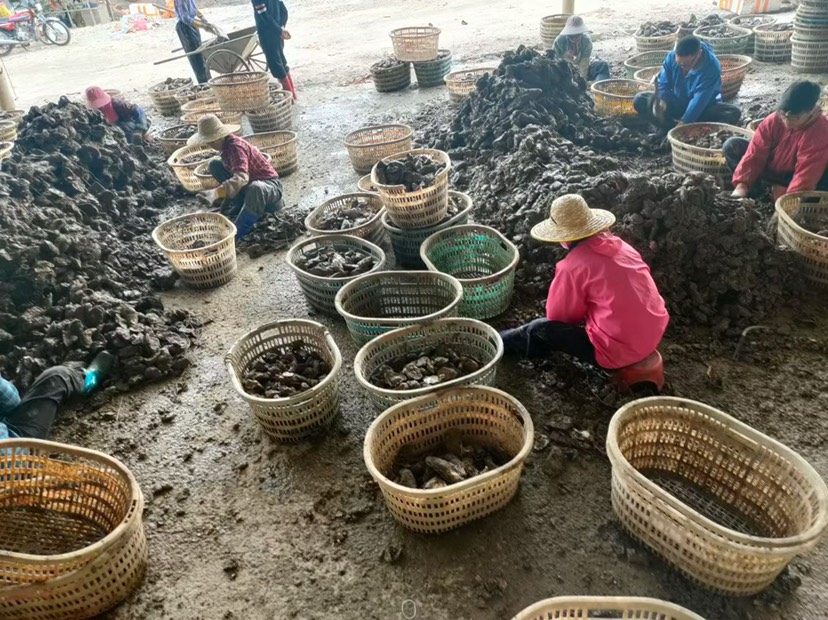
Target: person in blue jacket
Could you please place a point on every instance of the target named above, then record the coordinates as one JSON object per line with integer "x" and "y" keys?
{"x": 688, "y": 90}
{"x": 271, "y": 18}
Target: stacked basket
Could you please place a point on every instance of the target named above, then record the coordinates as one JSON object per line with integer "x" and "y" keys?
{"x": 282, "y": 148}
{"x": 644, "y": 60}
{"x": 418, "y": 45}
{"x": 737, "y": 40}
{"x": 433, "y": 72}
{"x": 390, "y": 75}
{"x": 734, "y": 70}
{"x": 809, "y": 43}
{"x": 368, "y": 145}
{"x": 164, "y": 99}
{"x": 772, "y": 43}
{"x": 371, "y": 230}
{"x": 550, "y": 28}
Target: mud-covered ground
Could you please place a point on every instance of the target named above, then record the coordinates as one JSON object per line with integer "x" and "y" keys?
{"x": 241, "y": 527}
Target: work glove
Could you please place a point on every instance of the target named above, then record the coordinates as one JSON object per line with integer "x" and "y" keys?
{"x": 214, "y": 195}
{"x": 740, "y": 191}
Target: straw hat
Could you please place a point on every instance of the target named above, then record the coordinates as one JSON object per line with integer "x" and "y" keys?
{"x": 211, "y": 129}
{"x": 574, "y": 25}
{"x": 571, "y": 219}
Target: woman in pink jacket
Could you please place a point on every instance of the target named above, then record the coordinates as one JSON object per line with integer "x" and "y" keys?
{"x": 603, "y": 306}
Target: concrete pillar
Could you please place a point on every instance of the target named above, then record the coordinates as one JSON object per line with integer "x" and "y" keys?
{"x": 568, "y": 6}
{"x": 6, "y": 93}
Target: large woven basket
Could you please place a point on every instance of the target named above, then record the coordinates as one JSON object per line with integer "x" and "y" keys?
{"x": 205, "y": 177}
{"x": 651, "y": 44}
{"x": 644, "y": 60}
{"x": 241, "y": 91}
{"x": 615, "y": 97}
{"x": 364, "y": 184}
{"x": 811, "y": 23}
{"x": 691, "y": 158}
{"x": 377, "y": 303}
{"x": 461, "y": 84}
{"x": 321, "y": 291}
{"x": 169, "y": 144}
{"x": 734, "y": 70}
{"x": 809, "y": 56}
{"x": 164, "y": 100}
{"x": 750, "y": 22}
{"x": 228, "y": 118}
{"x": 8, "y": 131}
{"x": 415, "y": 43}
{"x": 433, "y": 72}
{"x": 487, "y": 417}
{"x": 186, "y": 172}
{"x": 204, "y": 104}
{"x": 371, "y": 230}
{"x": 208, "y": 266}
{"x": 14, "y": 115}
{"x": 369, "y": 145}
{"x": 606, "y": 607}
{"x": 5, "y": 150}
{"x": 71, "y": 531}
{"x": 771, "y": 46}
{"x": 421, "y": 208}
{"x": 465, "y": 336}
{"x": 406, "y": 243}
{"x": 737, "y": 44}
{"x": 281, "y": 146}
{"x": 482, "y": 259}
{"x": 550, "y": 28}
{"x": 196, "y": 91}
{"x": 800, "y": 217}
{"x": 647, "y": 76}
{"x": 293, "y": 417}
{"x": 723, "y": 503}
{"x": 277, "y": 116}
{"x": 391, "y": 79}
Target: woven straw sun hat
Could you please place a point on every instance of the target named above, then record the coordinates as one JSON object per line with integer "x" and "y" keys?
{"x": 211, "y": 129}
{"x": 574, "y": 25}
{"x": 571, "y": 219}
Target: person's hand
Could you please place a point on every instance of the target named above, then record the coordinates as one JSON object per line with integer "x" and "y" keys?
{"x": 138, "y": 138}
{"x": 213, "y": 195}
{"x": 740, "y": 191}
{"x": 285, "y": 34}
{"x": 777, "y": 191}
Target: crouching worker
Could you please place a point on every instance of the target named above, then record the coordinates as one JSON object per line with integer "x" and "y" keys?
{"x": 33, "y": 415}
{"x": 788, "y": 152}
{"x": 574, "y": 45}
{"x": 688, "y": 89}
{"x": 245, "y": 175}
{"x": 603, "y": 306}
{"x": 129, "y": 117}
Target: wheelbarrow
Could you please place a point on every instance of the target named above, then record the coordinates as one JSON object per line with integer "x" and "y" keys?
{"x": 240, "y": 51}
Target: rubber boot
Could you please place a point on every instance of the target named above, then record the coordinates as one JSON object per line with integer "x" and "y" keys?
{"x": 288, "y": 82}
{"x": 97, "y": 371}
{"x": 244, "y": 223}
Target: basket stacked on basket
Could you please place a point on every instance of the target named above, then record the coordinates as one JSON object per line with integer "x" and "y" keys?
{"x": 726, "y": 38}
{"x": 433, "y": 72}
{"x": 416, "y": 43}
{"x": 71, "y": 531}
{"x": 185, "y": 160}
{"x": 281, "y": 146}
{"x": 809, "y": 43}
{"x": 644, "y": 60}
{"x": 687, "y": 157}
{"x": 5, "y": 150}
{"x": 276, "y": 116}
{"x": 648, "y": 75}
{"x": 461, "y": 83}
{"x": 772, "y": 42}
{"x": 615, "y": 97}
{"x": 163, "y": 95}
{"x": 174, "y": 138}
{"x": 734, "y": 70}
{"x": 723, "y": 503}
{"x": 371, "y": 229}
{"x": 390, "y": 75}
{"x": 8, "y": 131}
{"x": 369, "y": 145}
{"x": 802, "y": 225}
{"x": 550, "y": 28}
{"x": 12, "y": 115}
{"x": 607, "y": 607}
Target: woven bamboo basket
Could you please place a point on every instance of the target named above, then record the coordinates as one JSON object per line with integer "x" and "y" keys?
{"x": 205, "y": 104}
{"x": 685, "y": 31}
{"x": 606, "y": 607}
{"x": 809, "y": 56}
{"x": 421, "y": 208}
{"x": 371, "y": 230}
{"x": 201, "y": 247}
{"x": 389, "y": 80}
{"x": 8, "y": 131}
{"x": 207, "y": 180}
{"x": 196, "y": 91}
{"x": 691, "y": 158}
{"x": 369, "y": 145}
{"x": 811, "y": 23}
{"x": 415, "y": 43}
{"x": 482, "y": 259}
{"x": 652, "y": 44}
{"x": 5, "y": 150}
{"x": 433, "y": 72}
{"x": 281, "y": 147}
{"x": 14, "y": 115}
{"x": 321, "y": 291}
{"x": 750, "y": 22}
{"x": 406, "y": 243}
{"x": 737, "y": 44}
{"x": 171, "y": 145}
{"x": 465, "y": 336}
{"x": 228, "y": 118}
{"x": 550, "y": 28}
{"x": 800, "y": 217}
{"x": 647, "y": 76}
{"x": 644, "y": 61}
{"x": 377, "y": 303}
{"x": 486, "y": 417}
{"x": 72, "y": 540}
{"x": 615, "y": 97}
{"x": 734, "y": 70}
{"x": 186, "y": 172}
{"x": 165, "y": 101}
{"x": 771, "y": 46}
{"x": 461, "y": 84}
{"x": 725, "y": 504}
{"x": 278, "y": 116}
{"x": 294, "y": 417}
{"x": 241, "y": 91}
{"x": 364, "y": 184}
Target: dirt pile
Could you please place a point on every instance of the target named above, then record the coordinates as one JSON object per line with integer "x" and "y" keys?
{"x": 77, "y": 206}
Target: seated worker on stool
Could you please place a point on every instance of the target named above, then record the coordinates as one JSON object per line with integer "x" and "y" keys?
{"x": 129, "y": 117}
{"x": 34, "y": 414}
{"x": 246, "y": 177}
{"x": 789, "y": 150}
{"x": 688, "y": 89}
{"x": 574, "y": 45}
{"x": 603, "y": 306}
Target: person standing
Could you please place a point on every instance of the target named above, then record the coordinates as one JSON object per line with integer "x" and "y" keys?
{"x": 575, "y": 45}
{"x": 271, "y": 18}
{"x": 186, "y": 14}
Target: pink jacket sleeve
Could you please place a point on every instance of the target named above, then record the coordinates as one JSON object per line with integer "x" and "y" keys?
{"x": 567, "y": 298}
{"x": 812, "y": 160}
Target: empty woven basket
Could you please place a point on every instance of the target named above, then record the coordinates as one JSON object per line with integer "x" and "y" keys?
{"x": 369, "y": 145}
{"x": 605, "y": 607}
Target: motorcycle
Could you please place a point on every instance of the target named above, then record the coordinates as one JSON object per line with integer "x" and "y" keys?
{"x": 28, "y": 24}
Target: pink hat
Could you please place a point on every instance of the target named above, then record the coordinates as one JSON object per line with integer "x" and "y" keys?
{"x": 97, "y": 97}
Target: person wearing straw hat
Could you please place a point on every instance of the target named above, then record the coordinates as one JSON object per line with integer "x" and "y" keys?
{"x": 575, "y": 45}
{"x": 129, "y": 117}
{"x": 245, "y": 175}
{"x": 603, "y": 306}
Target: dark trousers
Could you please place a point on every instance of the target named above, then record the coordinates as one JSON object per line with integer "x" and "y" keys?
{"x": 542, "y": 336}
{"x": 258, "y": 198}
{"x": 716, "y": 112}
{"x": 190, "y": 39}
{"x": 735, "y": 149}
{"x": 598, "y": 70}
{"x": 38, "y": 408}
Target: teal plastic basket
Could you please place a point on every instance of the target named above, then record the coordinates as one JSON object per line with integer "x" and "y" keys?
{"x": 483, "y": 260}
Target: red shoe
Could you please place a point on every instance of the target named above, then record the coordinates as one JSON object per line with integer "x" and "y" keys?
{"x": 648, "y": 370}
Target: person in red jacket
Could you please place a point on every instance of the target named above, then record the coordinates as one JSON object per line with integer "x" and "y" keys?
{"x": 789, "y": 150}
{"x": 603, "y": 306}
